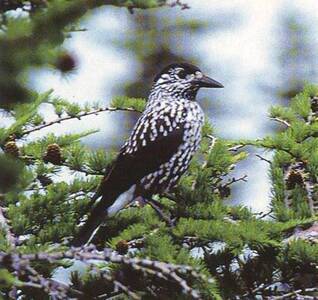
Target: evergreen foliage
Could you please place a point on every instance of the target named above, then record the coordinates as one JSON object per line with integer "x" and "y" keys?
{"x": 199, "y": 248}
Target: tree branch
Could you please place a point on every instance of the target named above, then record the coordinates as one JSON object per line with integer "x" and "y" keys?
{"x": 162, "y": 270}
{"x": 83, "y": 114}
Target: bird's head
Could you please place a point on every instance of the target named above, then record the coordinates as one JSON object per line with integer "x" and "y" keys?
{"x": 184, "y": 80}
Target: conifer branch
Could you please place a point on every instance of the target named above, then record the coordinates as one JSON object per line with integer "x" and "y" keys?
{"x": 34, "y": 5}
{"x": 161, "y": 214}
{"x": 117, "y": 284}
{"x": 205, "y": 163}
{"x": 86, "y": 254}
{"x": 86, "y": 171}
{"x": 262, "y": 144}
{"x": 55, "y": 288}
{"x": 78, "y": 116}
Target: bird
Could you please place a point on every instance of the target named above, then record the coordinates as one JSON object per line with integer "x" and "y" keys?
{"x": 159, "y": 149}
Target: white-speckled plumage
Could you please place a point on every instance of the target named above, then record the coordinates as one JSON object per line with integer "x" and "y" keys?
{"x": 164, "y": 113}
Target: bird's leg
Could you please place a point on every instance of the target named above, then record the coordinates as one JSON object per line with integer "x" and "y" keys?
{"x": 157, "y": 203}
{"x": 158, "y": 208}
{"x": 140, "y": 201}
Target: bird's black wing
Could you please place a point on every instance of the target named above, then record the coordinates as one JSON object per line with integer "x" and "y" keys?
{"x": 145, "y": 157}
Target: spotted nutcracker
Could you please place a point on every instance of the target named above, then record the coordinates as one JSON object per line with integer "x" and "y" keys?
{"x": 159, "y": 149}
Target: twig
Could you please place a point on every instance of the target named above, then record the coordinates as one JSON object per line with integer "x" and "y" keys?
{"x": 117, "y": 284}
{"x": 83, "y": 114}
{"x": 162, "y": 270}
{"x": 263, "y": 158}
{"x": 28, "y": 159}
{"x": 261, "y": 144}
{"x": 262, "y": 215}
{"x": 233, "y": 180}
{"x": 279, "y": 120}
{"x": 178, "y": 3}
{"x": 236, "y": 147}
{"x": 52, "y": 285}
{"x": 260, "y": 288}
{"x": 165, "y": 3}
{"x": 82, "y": 169}
{"x": 293, "y": 293}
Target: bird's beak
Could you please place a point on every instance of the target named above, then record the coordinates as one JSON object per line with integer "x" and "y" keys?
{"x": 208, "y": 82}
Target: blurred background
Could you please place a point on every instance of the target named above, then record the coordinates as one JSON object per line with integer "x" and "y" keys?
{"x": 263, "y": 53}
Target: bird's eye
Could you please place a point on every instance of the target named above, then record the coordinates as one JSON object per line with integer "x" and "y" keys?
{"x": 182, "y": 74}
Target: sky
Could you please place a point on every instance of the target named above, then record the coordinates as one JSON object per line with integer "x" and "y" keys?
{"x": 241, "y": 56}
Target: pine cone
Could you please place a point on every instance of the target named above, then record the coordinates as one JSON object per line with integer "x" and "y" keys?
{"x": 11, "y": 138}
{"x": 44, "y": 180}
{"x": 224, "y": 191}
{"x": 314, "y": 104}
{"x": 293, "y": 179}
{"x": 53, "y": 154}
{"x": 66, "y": 63}
{"x": 122, "y": 247}
{"x": 12, "y": 149}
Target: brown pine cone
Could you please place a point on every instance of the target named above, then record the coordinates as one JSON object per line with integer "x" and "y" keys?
{"x": 66, "y": 63}
{"x": 53, "y": 154}
{"x": 12, "y": 149}
{"x": 294, "y": 178}
{"x": 44, "y": 180}
{"x": 11, "y": 138}
{"x": 314, "y": 104}
{"x": 122, "y": 247}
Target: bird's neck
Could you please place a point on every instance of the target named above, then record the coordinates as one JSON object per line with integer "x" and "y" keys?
{"x": 175, "y": 95}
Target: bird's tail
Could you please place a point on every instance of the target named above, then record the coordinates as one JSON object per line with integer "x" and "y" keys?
{"x": 106, "y": 207}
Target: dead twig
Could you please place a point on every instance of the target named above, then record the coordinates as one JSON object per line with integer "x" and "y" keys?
{"x": 263, "y": 158}
{"x": 234, "y": 180}
{"x": 281, "y": 121}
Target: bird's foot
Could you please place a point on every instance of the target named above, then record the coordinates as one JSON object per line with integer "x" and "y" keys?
{"x": 158, "y": 208}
